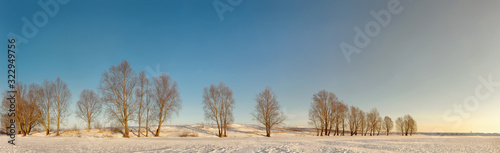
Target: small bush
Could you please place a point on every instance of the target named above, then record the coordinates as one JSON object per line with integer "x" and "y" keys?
{"x": 3, "y": 131}
{"x": 297, "y": 129}
{"x": 186, "y": 133}
{"x": 107, "y": 135}
{"x": 98, "y": 125}
{"x": 76, "y": 130}
{"x": 116, "y": 129}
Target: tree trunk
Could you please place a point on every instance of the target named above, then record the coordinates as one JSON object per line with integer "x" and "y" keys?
{"x": 88, "y": 126}
{"x": 19, "y": 129}
{"x": 326, "y": 129}
{"x": 48, "y": 124}
{"x": 29, "y": 129}
{"x": 343, "y": 130}
{"x": 126, "y": 132}
{"x": 147, "y": 127}
{"x": 268, "y": 129}
{"x": 219, "y": 127}
{"x": 147, "y": 120}
{"x": 225, "y": 129}
{"x": 139, "y": 130}
{"x": 330, "y": 130}
{"x": 337, "y": 129}
{"x": 57, "y": 130}
{"x": 159, "y": 125}
{"x": 158, "y": 131}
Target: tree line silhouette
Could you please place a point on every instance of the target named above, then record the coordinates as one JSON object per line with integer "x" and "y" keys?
{"x": 124, "y": 95}
{"x": 328, "y": 113}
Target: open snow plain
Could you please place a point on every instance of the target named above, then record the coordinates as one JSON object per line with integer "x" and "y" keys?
{"x": 245, "y": 138}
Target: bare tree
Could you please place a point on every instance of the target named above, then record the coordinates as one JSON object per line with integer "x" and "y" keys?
{"x": 117, "y": 88}
{"x": 343, "y": 116}
{"x": 362, "y": 122}
{"x": 315, "y": 120}
{"x": 45, "y": 105}
{"x": 88, "y": 107}
{"x": 62, "y": 96}
{"x": 373, "y": 115}
{"x": 5, "y": 120}
{"x": 19, "y": 98}
{"x": 379, "y": 125}
{"x": 227, "y": 109}
{"x": 267, "y": 111}
{"x": 27, "y": 111}
{"x": 218, "y": 106}
{"x": 367, "y": 125}
{"x": 141, "y": 92}
{"x": 339, "y": 110}
{"x": 406, "y": 120}
{"x": 400, "y": 125}
{"x": 33, "y": 111}
{"x": 358, "y": 121}
{"x": 353, "y": 120}
{"x": 167, "y": 98}
{"x": 410, "y": 125}
{"x": 414, "y": 127}
{"x": 388, "y": 124}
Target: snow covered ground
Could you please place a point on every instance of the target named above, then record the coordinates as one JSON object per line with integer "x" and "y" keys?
{"x": 245, "y": 138}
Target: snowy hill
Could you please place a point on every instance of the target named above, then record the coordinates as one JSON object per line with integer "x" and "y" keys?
{"x": 199, "y": 130}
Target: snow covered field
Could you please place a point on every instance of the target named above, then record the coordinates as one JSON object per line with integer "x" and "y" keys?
{"x": 246, "y": 138}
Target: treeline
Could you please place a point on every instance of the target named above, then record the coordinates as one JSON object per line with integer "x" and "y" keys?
{"x": 329, "y": 114}
{"x": 36, "y": 105}
{"x": 124, "y": 96}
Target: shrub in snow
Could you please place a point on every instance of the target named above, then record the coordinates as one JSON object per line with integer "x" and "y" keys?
{"x": 186, "y": 133}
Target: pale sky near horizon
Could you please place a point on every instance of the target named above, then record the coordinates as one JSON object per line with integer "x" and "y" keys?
{"x": 428, "y": 60}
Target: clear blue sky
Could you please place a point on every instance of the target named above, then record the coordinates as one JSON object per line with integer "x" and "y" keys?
{"x": 427, "y": 59}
